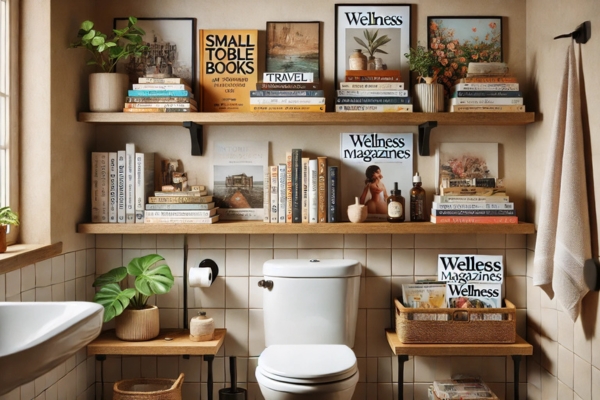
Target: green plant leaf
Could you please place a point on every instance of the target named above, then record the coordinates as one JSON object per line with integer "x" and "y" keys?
{"x": 132, "y": 21}
{"x": 113, "y": 299}
{"x": 359, "y": 41}
{"x": 8, "y": 217}
{"x": 140, "y": 265}
{"x": 115, "y": 275}
{"x": 89, "y": 36}
{"x": 97, "y": 41}
{"x": 86, "y": 25}
{"x": 156, "y": 281}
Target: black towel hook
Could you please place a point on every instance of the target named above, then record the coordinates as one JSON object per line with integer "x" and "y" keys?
{"x": 582, "y": 34}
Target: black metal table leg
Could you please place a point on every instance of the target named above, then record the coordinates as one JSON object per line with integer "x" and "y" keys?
{"x": 401, "y": 360}
{"x": 516, "y": 365}
{"x": 209, "y": 382}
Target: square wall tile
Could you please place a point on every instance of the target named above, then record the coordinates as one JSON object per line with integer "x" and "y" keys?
{"x": 382, "y": 241}
{"x": 426, "y": 261}
{"x": 549, "y": 356}
{"x": 139, "y": 241}
{"x": 173, "y": 258}
{"x": 13, "y": 283}
{"x": 378, "y": 292}
{"x": 359, "y": 255}
{"x": 43, "y": 293}
{"x": 360, "y": 337}
{"x": 516, "y": 290}
{"x": 80, "y": 261}
{"x": 191, "y": 368}
{"x": 261, "y": 241}
{"x": 566, "y": 364}
{"x": 320, "y": 254}
{"x": 550, "y": 323}
{"x": 445, "y": 241}
{"x": 58, "y": 269}
{"x": 109, "y": 241}
{"x": 355, "y": 241}
{"x": 255, "y": 292}
{"x": 256, "y": 335}
{"x": 403, "y": 241}
{"x": 2, "y": 287}
{"x": 207, "y": 241}
{"x": 258, "y": 258}
{"x": 69, "y": 266}
{"x": 516, "y": 241}
{"x": 516, "y": 262}
{"x": 403, "y": 262}
{"x": 491, "y": 241}
{"x": 237, "y": 325}
{"x": 43, "y": 273}
{"x": 282, "y": 254}
{"x": 379, "y": 262}
{"x": 285, "y": 241}
{"x": 582, "y": 378}
{"x": 208, "y": 297}
{"x": 320, "y": 241}
{"x": 107, "y": 259}
{"x": 236, "y": 292}
{"x": 582, "y": 347}
{"x": 566, "y": 330}
{"x": 237, "y": 262}
{"x": 377, "y": 321}
{"x": 237, "y": 241}
{"x": 170, "y": 241}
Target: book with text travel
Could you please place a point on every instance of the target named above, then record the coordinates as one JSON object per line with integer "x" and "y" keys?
{"x": 181, "y": 206}
{"x": 228, "y": 69}
{"x": 464, "y": 219}
{"x": 170, "y": 220}
{"x": 113, "y": 188}
{"x": 288, "y": 77}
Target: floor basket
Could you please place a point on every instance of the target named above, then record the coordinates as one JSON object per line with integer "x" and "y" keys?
{"x": 148, "y": 389}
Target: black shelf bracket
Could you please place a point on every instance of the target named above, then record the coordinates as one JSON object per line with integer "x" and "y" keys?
{"x": 196, "y": 134}
{"x": 424, "y": 131}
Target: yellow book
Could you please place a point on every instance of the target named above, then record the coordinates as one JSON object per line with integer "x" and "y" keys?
{"x": 228, "y": 69}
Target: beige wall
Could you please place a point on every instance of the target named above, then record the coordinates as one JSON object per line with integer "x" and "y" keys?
{"x": 566, "y": 359}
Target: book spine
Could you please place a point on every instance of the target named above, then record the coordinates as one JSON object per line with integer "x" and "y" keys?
{"x": 288, "y": 86}
{"x": 122, "y": 187}
{"x": 287, "y": 100}
{"x": 113, "y": 188}
{"x": 296, "y": 186}
{"x": 158, "y": 93}
{"x": 288, "y": 186}
{"x": 274, "y": 193}
{"x": 372, "y": 93}
{"x": 288, "y": 77}
{"x": 373, "y": 108}
{"x": 96, "y": 215}
{"x": 372, "y": 78}
{"x": 160, "y": 80}
{"x": 160, "y": 99}
{"x": 168, "y": 220}
{"x": 473, "y": 206}
{"x": 287, "y": 108}
{"x": 103, "y": 186}
{"x": 475, "y": 220}
{"x": 322, "y": 189}
{"x": 487, "y": 86}
{"x": 282, "y": 179}
{"x": 181, "y": 193}
{"x": 157, "y": 110}
{"x": 196, "y": 206}
{"x": 489, "y": 79}
{"x": 372, "y": 85}
{"x": 313, "y": 191}
{"x": 332, "y": 206}
{"x": 129, "y": 183}
{"x": 487, "y": 93}
{"x": 487, "y": 100}
{"x": 266, "y": 195}
{"x": 488, "y": 108}
{"x": 287, "y": 93}
{"x": 159, "y": 86}
{"x": 304, "y": 189}
{"x": 158, "y": 105}
{"x": 180, "y": 213}
{"x": 470, "y": 199}
{"x": 497, "y": 212}
{"x": 179, "y": 199}
{"x": 372, "y": 100}
{"x": 139, "y": 187}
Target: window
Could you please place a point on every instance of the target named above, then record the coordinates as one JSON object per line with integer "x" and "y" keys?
{"x": 8, "y": 112}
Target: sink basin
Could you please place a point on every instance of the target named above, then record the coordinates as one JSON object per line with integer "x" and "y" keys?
{"x": 37, "y": 336}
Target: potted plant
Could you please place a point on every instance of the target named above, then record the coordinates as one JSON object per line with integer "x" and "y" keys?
{"x": 373, "y": 45}
{"x": 7, "y": 217}
{"x": 134, "y": 319}
{"x": 108, "y": 90}
{"x": 429, "y": 96}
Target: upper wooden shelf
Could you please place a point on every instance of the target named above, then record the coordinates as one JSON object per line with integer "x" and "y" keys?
{"x": 328, "y": 118}
{"x": 259, "y": 227}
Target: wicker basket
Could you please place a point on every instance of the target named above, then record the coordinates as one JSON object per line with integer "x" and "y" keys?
{"x": 456, "y": 325}
{"x": 148, "y": 389}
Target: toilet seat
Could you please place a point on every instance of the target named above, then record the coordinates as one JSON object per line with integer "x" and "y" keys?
{"x": 308, "y": 364}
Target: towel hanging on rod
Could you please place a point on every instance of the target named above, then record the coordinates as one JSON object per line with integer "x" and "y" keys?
{"x": 582, "y": 34}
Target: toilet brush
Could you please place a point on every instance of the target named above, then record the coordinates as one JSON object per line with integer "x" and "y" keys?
{"x": 232, "y": 393}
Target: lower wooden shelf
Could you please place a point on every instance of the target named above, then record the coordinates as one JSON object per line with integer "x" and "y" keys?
{"x": 344, "y": 228}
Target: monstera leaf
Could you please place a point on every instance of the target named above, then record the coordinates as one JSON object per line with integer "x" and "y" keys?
{"x": 150, "y": 281}
{"x": 113, "y": 299}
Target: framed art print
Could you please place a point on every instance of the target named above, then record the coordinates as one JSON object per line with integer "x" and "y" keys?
{"x": 457, "y": 41}
{"x": 172, "y": 49}
{"x": 354, "y": 23}
{"x": 294, "y": 47}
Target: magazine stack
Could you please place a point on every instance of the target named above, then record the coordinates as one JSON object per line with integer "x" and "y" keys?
{"x": 288, "y": 92}
{"x": 488, "y": 87}
{"x": 460, "y": 387}
{"x": 155, "y": 95}
{"x": 372, "y": 91}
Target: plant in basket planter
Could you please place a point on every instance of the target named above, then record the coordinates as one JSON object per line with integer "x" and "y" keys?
{"x": 135, "y": 320}
{"x": 7, "y": 217}
{"x": 108, "y": 91}
{"x": 429, "y": 96}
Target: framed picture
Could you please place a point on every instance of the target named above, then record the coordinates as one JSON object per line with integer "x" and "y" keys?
{"x": 459, "y": 40}
{"x": 294, "y": 47}
{"x": 172, "y": 53}
{"x": 355, "y": 22}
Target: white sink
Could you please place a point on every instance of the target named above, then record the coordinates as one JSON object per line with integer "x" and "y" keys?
{"x": 37, "y": 336}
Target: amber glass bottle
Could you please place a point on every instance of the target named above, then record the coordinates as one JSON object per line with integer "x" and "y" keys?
{"x": 417, "y": 200}
{"x": 395, "y": 205}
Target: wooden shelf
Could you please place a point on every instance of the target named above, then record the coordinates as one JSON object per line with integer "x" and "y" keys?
{"x": 180, "y": 344}
{"x": 330, "y": 118}
{"x": 259, "y": 227}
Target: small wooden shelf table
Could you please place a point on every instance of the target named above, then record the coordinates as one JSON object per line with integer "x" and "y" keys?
{"x": 517, "y": 349}
{"x": 169, "y": 342}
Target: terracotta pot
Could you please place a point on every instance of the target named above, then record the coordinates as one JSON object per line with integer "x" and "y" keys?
{"x": 2, "y": 238}
{"x": 429, "y": 97}
{"x": 138, "y": 325}
{"x": 108, "y": 91}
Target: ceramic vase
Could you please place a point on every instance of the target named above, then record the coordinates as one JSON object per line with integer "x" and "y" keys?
{"x": 429, "y": 97}
{"x": 357, "y": 212}
{"x": 138, "y": 325}
{"x": 108, "y": 91}
{"x": 357, "y": 60}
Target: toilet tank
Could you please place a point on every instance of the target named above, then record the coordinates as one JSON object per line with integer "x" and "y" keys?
{"x": 311, "y": 301}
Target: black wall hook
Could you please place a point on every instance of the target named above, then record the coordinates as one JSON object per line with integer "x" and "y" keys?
{"x": 582, "y": 34}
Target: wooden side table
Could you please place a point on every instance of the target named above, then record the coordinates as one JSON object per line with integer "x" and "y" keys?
{"x": 403, "y": 350}
{"x": 169, "y": 342}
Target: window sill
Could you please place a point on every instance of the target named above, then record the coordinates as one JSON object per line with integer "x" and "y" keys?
{"x": 20, "y": 255}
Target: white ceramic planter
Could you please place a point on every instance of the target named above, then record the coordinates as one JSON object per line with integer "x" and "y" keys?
{"x": 138, "y": 325}
{"x": 108, "y": 91}
{"x": 429, "y": 97}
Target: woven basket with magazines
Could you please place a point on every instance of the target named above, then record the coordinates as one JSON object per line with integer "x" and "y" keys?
{"x": 148, "y": 389}
{"x": 456, "y": 325}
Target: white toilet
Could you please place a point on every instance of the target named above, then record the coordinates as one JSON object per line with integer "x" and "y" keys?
{"x": 310, "y": 309}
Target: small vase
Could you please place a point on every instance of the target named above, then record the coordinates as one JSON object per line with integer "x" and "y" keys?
{"x": 138, "y": 325}
{"x": 357, "y": 61}
{"x": 429, "y": 97}
{"x": 108, "y": 91}
{"x": 357, "y": 212}
{"x": 371, "y": 63}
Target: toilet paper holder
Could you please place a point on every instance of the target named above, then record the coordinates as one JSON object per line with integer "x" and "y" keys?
{"x": 212, "y": 274}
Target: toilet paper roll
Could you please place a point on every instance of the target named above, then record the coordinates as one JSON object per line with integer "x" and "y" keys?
{"x": 200, "y": 277}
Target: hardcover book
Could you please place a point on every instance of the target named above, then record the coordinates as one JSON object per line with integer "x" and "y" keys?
{"x": 228, "y": 69}
{"x": 282, "y": 192}
{"x": 113, "y": 188}
{"x": 322, "y": 200}
{"x": 474, "y": 219}
{"x": 239, "y": 170}
{"x": 313, "y": 191}
{"x": 144, "y": 182}
{"x": 129, "y": 183}
{"x": 274, "y": 198}
{"x": 121, "y": 186}
{"x": 100, "y": 187}
{"x": 296, "y": 175}
{"x": 370, "y": 164}
{"x": 333, "y": 194}
{"x": 372, "y": 85}
{"x": 373, "y": 107}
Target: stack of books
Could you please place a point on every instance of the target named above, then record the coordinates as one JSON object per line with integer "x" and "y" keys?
{"x": 153, "y": 95}
{"x": 372, "y": 91}
{"x": 488, "y": 87}
{"x": 461, "y": 387}
{"x": 287, "y": 92}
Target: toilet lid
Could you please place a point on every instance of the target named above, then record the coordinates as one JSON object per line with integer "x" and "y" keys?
{"x": 322, "y": 362}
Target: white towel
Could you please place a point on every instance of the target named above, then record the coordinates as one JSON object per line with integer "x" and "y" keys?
{"x": 563, "y": 240}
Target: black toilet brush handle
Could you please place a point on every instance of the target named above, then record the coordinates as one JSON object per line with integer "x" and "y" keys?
{"x": 233, "y": 373}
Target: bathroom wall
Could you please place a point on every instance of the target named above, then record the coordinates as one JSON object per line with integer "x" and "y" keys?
{"x": 235, "y": 302}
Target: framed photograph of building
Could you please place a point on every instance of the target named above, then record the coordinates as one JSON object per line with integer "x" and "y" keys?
{"x": 362, "y": 26}
{"x": 294, "y": 47}
{"x": 457, "y": 41}
{"x": 172, "y": 49}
